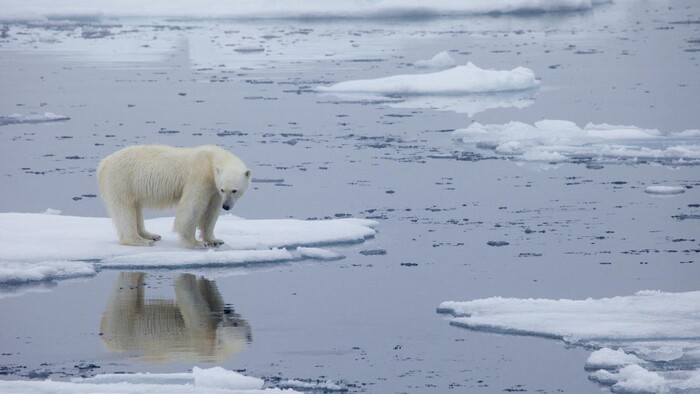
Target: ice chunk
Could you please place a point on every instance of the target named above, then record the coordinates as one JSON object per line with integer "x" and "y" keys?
{"x": 606, "y": 358}
{"x": 441, "y": 60}
{"x": 558, "y": 141}
{"x": 455, "y": 81}
{"x": 657, "y": 189}
{"x": 632, "y": 379}
{"x": 27, "y": 240}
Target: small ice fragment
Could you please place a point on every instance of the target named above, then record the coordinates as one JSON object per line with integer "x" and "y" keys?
{"x": 658, "y": 189}
{"x": 607, "y": 358}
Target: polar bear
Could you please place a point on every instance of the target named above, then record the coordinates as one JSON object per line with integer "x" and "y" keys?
{"x": 198, "y": 180}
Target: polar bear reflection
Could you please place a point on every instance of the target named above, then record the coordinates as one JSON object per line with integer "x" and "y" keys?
{"x": 197, "y": 325}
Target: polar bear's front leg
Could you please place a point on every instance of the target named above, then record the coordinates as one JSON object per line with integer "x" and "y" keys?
{"x": 189, "y": 211}
{"x": 208, "y": 221}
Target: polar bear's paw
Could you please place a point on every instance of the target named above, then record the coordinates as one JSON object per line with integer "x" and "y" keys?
{"x": 213, "y": 243}
{"x": 151, "y": 236}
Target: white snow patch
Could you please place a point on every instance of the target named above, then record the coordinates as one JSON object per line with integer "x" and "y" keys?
{"x": 558, "y": 140}
{"x": 32, "y": 118}
{"x": 30, "y": 244}
{"x": 202, "y": 381}
{"x": 40, "y": 9}
{"x": 440, "y": 61}
{"x": 657, "y": 189}
{"x": 459, "y": 80}
{"x": 646, "y": 328}
{"x": 50, "y": 211}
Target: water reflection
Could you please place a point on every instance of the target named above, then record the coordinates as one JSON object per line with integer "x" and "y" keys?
{"x": 196, "y": 325}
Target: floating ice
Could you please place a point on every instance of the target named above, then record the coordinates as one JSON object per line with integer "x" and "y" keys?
{"x": 655, "y": 329}
{"x": 13, "y": 272}
{"x": 206, "y": 381}
{"x": 558, "y": 140}
{"x": 441, "y": 60}
{"x": 33, "y": 118}
{"x": 606, "y": 358}
{"x": 17, "y": 9}
{"x": 656, "y": 189}
{"x": 31, "y": 242}
{"x": 459, "y": 80}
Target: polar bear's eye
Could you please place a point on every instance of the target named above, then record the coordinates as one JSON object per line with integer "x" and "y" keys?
{"x": 222, "y": 190}
{"x": 234, "y": 191}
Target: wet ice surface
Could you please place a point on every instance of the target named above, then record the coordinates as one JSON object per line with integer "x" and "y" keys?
{"x": 456, "y": 222}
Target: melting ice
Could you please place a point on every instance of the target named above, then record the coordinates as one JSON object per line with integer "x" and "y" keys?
{"x": 647, "y": 342}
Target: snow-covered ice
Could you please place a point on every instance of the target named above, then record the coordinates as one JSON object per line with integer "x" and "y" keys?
{"x": 441, "y": 60}
{"x": 32, "y": 118}
{"x": 200, "y": 380}
{"x": 38, "y": 9}
{"x": 460, "y": 80}
{"x": 559, "y": 140}
{"x": 22, "y": 272}
{"x": 31, "y": 244}
{"x": 643, "y": 334}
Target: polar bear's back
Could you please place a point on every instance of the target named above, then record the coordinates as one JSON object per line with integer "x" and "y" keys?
{"x": 153, "y": 175}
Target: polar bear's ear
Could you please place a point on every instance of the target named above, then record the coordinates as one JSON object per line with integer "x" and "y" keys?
{"x": 247, "y": 174}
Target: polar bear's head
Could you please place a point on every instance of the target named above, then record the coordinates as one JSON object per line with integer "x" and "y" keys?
{"x": 231, "y": 183}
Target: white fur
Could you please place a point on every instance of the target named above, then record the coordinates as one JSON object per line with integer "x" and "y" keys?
{"x": 198, "y": 180}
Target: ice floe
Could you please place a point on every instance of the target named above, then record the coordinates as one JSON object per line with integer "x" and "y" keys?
{"x": 46, "y": 246}
{"x": 463, "y": 89}
{"x": 38, "y": 9}
{"x": 458, "y": 80}
{"x": 32, "y": 118}
{"x": 560, "y": 141}
{"x": 200, "y": 380}
{"x": 648, "y": 342}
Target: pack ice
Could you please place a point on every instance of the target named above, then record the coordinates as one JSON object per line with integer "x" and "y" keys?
{"x": 647, "y": 342}
{"x": 560, "y": 141}
{"x": 36, "y": 247}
